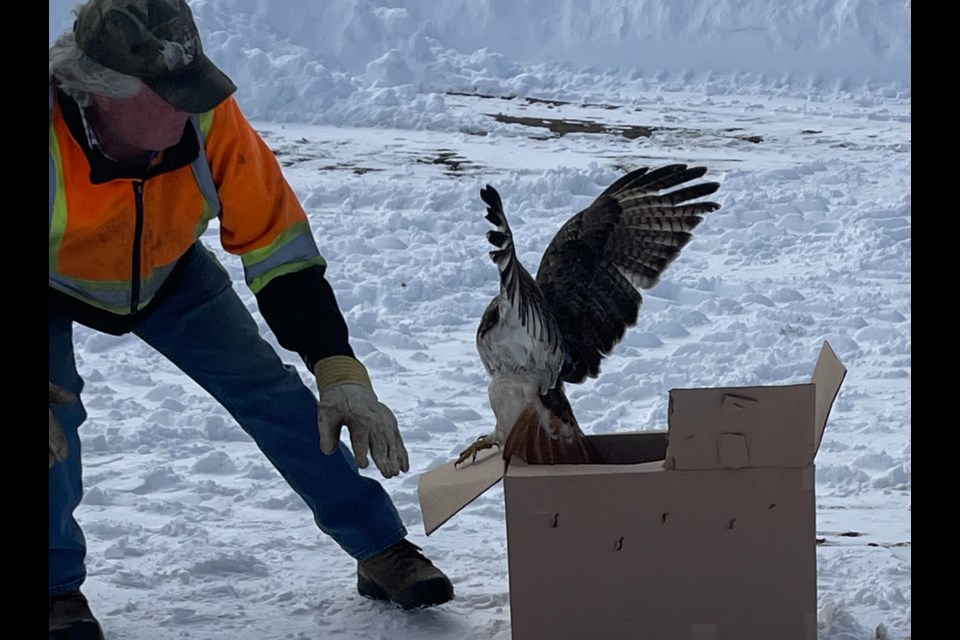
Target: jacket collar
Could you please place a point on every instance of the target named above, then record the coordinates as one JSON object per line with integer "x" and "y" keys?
{"x": 103, "y": 169}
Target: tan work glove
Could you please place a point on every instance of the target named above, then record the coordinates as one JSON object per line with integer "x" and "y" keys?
{"x": 58, "y": 441}
{"x": 347, "y": 400}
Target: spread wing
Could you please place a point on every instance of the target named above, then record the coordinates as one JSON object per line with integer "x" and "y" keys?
{"x": 517, "y": 335}
{"x": 591, "y": 271}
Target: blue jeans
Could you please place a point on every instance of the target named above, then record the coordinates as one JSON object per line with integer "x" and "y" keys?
{"x": 206, "y": 331}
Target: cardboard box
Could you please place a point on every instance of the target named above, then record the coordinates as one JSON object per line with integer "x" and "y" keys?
{"x": 704, "y": 532}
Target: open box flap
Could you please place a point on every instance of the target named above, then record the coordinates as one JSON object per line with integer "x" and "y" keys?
{"x": 828, "y": 375}
{"x": 445, "y": 490}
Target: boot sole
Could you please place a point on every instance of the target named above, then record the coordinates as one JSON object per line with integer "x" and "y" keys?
{"x": 428, "y": 593}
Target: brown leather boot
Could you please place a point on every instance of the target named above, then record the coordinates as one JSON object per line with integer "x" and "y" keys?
{"x": 71, "y": 618}
{"x": 404, "y": 576}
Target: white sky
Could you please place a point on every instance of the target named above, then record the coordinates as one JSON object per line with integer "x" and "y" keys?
{"x": 192, "y": 534}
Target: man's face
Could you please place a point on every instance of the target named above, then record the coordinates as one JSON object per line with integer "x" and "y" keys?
{"x": 145, "y": 121}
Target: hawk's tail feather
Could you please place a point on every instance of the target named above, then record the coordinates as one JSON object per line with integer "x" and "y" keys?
{"x": 552, "y": 443}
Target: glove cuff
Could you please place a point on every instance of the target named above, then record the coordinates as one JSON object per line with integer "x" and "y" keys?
{"x": 340, "y": 369}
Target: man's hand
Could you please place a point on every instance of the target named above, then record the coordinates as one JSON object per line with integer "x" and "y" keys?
{"x": 347, "y": 400}
{"x": 58, "y": 441}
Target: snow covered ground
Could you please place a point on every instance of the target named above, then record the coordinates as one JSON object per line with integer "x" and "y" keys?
{"x": 388, "y": 118}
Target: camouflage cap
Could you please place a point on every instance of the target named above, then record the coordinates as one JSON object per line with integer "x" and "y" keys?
{"x": 158, "y": 42}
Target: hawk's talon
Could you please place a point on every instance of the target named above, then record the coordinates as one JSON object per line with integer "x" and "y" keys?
{"x": 478, "y": 445}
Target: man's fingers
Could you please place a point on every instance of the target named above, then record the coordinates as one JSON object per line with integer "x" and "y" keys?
{"x": 382, "y": 456}
{"x": 328, "y": 423}
{"x": 373, "y": 428}
{"x": 404, "y": 458}
{"x": 394, "y": 450}
{"x": 397, "y": 450}
{"x": 360, "y": 439}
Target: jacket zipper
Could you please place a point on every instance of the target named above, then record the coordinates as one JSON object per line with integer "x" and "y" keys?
{"x": 137, "y": 241}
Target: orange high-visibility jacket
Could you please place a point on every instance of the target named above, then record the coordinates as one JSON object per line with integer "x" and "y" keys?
{"x": 116, "y": 234}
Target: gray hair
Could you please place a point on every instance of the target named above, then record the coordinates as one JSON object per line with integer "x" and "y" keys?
{"x": 80, "y": 76}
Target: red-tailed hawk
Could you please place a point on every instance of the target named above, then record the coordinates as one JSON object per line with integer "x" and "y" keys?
{"x": 538, "y": 334}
